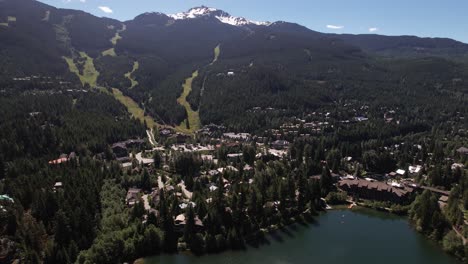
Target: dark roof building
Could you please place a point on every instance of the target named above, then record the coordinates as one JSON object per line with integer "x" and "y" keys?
{"x": 463, "y": 150}
{"x": 132, "y": 196}
{"x": 375, "y": 190}
{"x": 120, "y": 150}
{"x": 280, "y": 144}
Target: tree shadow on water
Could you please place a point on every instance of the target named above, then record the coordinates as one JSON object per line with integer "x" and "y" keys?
{"x": 284, "y": 233}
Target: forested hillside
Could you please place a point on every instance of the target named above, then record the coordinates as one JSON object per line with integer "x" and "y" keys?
{"x": 278, "y": 65}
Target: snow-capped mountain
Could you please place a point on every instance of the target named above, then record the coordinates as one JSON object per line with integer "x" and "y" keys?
{"x": 218, "y": 14}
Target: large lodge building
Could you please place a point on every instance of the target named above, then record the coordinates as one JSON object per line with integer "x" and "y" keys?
{"x": 375, "y": 190}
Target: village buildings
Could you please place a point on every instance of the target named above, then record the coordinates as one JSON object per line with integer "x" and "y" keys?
{"x": 375, "y": 190}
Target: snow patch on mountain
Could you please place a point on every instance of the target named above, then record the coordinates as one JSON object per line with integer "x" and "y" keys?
{"x": 218, "y": 14}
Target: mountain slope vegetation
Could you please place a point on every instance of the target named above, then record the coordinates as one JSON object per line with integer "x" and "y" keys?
{"x": 278, "y": 65}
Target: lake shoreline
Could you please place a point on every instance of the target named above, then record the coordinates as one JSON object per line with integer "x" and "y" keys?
{"x": 293, "y": 230}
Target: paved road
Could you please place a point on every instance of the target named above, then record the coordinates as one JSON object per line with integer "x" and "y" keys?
{"x": 184, "y": 190}
{"x": 435, "y": 190}
{"x": 160, "y": 183}
{"x": 145, "y": 161}
{"x": 151, "y": 139}
{"x": 460, "y": 235}
{"x": 146, "y": 202}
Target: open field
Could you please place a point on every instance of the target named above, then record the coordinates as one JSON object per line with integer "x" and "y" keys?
{"x": 193, "y": 116}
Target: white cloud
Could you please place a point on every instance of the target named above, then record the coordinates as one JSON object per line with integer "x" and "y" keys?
{"x": 106, "y": 9}
{"x": 334, "y": 27}
{"x": 83, "y": 1}
{"x": 373, "y": 29}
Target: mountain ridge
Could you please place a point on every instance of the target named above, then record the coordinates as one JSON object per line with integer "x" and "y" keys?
{"x": 397, "y": 45}
{"x": 201, "y": 11}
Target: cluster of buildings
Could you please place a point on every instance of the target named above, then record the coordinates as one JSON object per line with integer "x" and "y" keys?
{"x": 63, "y": 158}
{"x": 121, "y": 149}
{"x": 375, "y": 190}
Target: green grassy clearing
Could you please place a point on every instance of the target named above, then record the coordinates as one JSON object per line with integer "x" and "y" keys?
{"x": 117, "y": 36}
{"x": 109, "y": 52}
{"x": 217, "y": 52}
{"x": 129, "y": 75}
{"x": 193, "y": 116}
{"x": 90, "y": 74}
{"x": 133, "y": 108}
{"x": 114, "y": 40}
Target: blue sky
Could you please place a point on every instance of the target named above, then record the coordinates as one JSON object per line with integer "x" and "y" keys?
{"x": 426, "y": 18}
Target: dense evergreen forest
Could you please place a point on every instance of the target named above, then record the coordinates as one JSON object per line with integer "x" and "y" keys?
{"x": 36, "y": 126}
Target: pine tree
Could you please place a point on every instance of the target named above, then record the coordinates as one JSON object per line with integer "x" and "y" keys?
{"x": 138, "y": 209}
{"x": 157, "y": 159}
{"x": 2, "y": 168}
{"x": 249, "y": 154}
{"x": 146, "y": 181}
{"x": 166, "y": 223}
{"x": 152, "y": 219}
{"x": 303, "y": 197}
{"x": 326, "y": 181}
{"x": 189, "y": 229}
{"x": 62, "y": 229}
{"x": 210, "y": 242}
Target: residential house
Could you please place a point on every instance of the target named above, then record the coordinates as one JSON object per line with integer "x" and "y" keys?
{"x": 180, "y": 222}
{"x": 120, "y": 150}
{"x": 463, "y": 150}
{"x": 280, "y": 144}
{"x": 57, "y": 186}
{"x": 234, "y": 157}
{"x": 133, "y": 196}
{"x": 400, "y": 172}
{"x": 237, "y": 136}
{"x": 165, "y": 132}
{"x": 457, "y": 165}
{"x": 414, "y": 169}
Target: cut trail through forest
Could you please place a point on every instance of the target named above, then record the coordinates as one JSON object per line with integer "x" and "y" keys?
{"x": 114, "y": 40}
{"x": 89, "y": 74}
{"x": 192, "y": 123}
{"x": 129, "y": 75}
